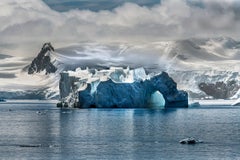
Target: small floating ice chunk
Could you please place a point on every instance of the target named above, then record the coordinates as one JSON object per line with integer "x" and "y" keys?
{"x": 41, "y": 113}
{"x": 30, "y": 145}
{"x": 195, "y": 104}
{"x": 190, "y": 140}
{"x": 53, "y": 145}
{"x": 66, "y": 112}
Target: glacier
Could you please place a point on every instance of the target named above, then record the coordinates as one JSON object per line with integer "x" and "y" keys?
{"x": 120, "y": 88}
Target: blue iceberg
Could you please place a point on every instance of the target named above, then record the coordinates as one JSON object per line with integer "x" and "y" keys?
{"x": 120, "y": 88}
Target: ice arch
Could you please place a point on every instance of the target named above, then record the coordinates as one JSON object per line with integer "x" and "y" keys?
{"x": 157, "y": 100}
{"x": 157, "y": 91}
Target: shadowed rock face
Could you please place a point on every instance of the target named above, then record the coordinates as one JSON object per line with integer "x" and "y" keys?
{"x": 133, "y": 95}
{"x": 220, "y": 90}
{"x": 43, "y": 61}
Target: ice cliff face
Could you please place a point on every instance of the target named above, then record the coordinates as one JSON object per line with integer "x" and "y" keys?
{"x": 121, "y": 88}
{"x": 43, "y": 61}
{"x": 134, "y": 95}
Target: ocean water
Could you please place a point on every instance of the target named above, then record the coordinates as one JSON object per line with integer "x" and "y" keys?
{"x": 42, "y": 131}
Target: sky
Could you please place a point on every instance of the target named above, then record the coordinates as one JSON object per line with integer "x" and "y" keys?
{"x": 27, "y": 24}
{"x": 95, "y": 5}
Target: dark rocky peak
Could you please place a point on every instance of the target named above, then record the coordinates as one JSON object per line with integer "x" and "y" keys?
{"x": 220, "y": 90}
{"x": 47, "y": 47}
{"x": 43, "y": 61}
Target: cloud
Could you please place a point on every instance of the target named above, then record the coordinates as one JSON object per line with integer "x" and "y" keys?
{"x": 7, "y": 75}
{"x": 26, "y": 24}
{"x": 2, "y": 56}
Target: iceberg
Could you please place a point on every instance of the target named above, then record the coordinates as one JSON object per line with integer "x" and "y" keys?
{"x": 190, "y": 140}
{"x": 2, "y": 100}
{"x": 236, "y": 103}
{"x": 120, "y": 88}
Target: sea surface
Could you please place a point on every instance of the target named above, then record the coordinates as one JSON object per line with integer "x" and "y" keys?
{"x": 39, "y": 130}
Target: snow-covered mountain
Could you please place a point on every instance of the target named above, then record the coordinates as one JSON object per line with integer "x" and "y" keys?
{"x": 206, "y": 68}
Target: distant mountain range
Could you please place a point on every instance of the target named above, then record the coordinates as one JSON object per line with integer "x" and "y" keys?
{"x": 206, "y": 68}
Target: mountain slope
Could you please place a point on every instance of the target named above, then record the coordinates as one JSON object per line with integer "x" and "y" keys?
{"x": 197, "y": 65}
{"x": 193, "y": 63}
{"x": 43, "y": 61}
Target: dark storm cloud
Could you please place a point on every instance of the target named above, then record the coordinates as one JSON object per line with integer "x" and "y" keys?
{"x": 13, "y": 64}
{"x": 93, "y": 5}
{"x": 3, "y": 56}
{"x": 7, "y": 75}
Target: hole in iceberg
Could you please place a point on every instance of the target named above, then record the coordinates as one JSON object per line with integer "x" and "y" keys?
{"x": 157, "y": 100}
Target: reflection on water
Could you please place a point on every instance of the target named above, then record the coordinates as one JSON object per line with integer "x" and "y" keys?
{"x": 117, "y": 133}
